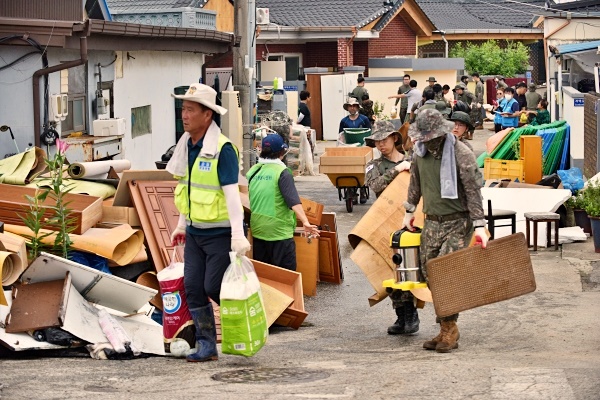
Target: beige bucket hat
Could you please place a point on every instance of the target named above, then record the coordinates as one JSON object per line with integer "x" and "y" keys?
{"x": 351, "y": 102}
{"x": 204, "y": 95}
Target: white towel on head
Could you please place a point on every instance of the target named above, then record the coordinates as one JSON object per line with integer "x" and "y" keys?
{"x": 178, "y": 164}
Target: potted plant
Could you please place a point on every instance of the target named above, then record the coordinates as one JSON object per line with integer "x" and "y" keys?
{"x": 591, "y": 197}
{"x": 577, "y": 202}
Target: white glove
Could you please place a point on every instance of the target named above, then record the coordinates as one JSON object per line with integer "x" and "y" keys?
{"x": 481, "y": 236}
{"x": 478, "y": 105}
{"x": 403, "y": 166}
{"x": 178, "y": 234}
{"x": 240, "y": 246}
{"x": 408, "y": 220}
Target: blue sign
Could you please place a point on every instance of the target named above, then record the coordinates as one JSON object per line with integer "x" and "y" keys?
{"x": 578, "y": 102}
{"x": 528, "y": 74}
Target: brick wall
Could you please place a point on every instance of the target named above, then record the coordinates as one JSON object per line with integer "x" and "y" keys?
{"x": 361, "y": 55}
{"x": 345, "y": 52}
{"x": 322, "y": 54}
{"x": 590, "y": 136}
{"x": 396, "y": 39}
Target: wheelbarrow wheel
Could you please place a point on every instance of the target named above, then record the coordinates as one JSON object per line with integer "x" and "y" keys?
{"x": 349, "y": 203}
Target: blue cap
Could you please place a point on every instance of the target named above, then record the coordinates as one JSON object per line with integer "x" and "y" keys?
{"x": 274, "y": 142}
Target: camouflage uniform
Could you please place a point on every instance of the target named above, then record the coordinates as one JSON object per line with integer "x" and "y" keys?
{"x": 471, "y": 100}
{"x": 479, "y": 99}
{"x": 439, "y": 96}
{"x": 442, "y": 237}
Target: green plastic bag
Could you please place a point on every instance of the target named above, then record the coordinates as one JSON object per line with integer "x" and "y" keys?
{"x": 243, "y": 319}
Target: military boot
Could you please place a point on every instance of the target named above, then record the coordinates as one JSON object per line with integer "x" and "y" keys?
{"x": 449, "y": 339}
{"x": 411, "y": 317}
{"x": 398, "y": 327}
{"x": 432, "y": 344}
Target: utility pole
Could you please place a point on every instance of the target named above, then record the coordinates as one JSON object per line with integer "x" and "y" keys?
{"x": 241, "y": 79}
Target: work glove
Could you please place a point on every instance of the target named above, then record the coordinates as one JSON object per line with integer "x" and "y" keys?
{"x": 478, "y": 105}
{"x": 407, "y": 222}
{"x": 178, "y": 234}
{"x": 403, "y": 166}
{"x": 481, "y": 237}
{"x": 240, "y": 245}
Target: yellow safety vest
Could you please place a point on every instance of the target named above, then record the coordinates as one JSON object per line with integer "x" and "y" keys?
{"x": 200, "y": 196}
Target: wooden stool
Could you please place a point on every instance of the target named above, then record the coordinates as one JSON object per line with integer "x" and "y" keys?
{"x": 548, "y": 217}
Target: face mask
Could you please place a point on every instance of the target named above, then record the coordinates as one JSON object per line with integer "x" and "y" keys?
{"x": 435, "y": 145}
{"x": 508, "y": 96}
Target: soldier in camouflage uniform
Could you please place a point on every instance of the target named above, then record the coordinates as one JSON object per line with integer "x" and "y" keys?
{"x": 452, "y": 202}
{"x": 462, "y": 123}
{"x": 479, "y": 113}
{"x": 463, "y": 94}
{"x": 380, "y": 172}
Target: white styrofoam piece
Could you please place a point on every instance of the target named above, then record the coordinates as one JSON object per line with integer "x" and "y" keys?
{"x": 571, "y": 234}
{"x": 523, "y": 200}
{"x": 95, "y": 286}
{"x": 20, "y": 341}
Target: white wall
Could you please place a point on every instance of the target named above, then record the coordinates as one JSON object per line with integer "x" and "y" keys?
{"x": 575, "y": 117}
{"x": 149, "y": 79}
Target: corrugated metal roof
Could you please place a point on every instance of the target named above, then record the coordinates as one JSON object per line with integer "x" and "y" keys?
{"x": 577, "y": 47}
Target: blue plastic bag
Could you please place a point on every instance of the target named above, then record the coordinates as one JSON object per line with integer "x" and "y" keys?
{"x": 572, "y": 179}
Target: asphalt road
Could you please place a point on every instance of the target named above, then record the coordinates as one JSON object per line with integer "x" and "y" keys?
{"x": 543, "y": 345}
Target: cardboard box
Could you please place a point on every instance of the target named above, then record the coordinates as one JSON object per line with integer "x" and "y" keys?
{"x": 342, "y": 169}
{"x": 346, "y": 156}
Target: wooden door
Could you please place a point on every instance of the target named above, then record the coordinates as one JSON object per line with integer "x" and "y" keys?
{"x": 313, "y": 86}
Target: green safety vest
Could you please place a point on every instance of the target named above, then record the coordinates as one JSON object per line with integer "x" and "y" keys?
{"x": 200, "y": 196}
{"x": 271, "y": 218}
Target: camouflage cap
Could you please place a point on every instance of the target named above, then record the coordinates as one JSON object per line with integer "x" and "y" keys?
{"x": 381, "y": 130}
{"x": 532, "y": 86}
{"x": 429, "y": 124}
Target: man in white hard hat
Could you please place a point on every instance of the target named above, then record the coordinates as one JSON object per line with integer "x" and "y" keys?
{"x": 206, "y": 164}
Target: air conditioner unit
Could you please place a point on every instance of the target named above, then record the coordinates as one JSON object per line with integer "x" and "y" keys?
{"x": 231, "y": 123}
{"x": 109, "y": 127}
{"x": 262, "y": 16}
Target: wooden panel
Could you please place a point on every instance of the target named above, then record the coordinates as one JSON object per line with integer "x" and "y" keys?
{"x": 307, "y": 263}
{"x": 329, "y": 264}
{"x": 123, "y": 197}
{"x": 313, "y": 210}
{"x": 313, "y": 86}
{"x": 329, "y": 223}
{"x": 86, "y": 210}
{"x": 154, "y": 201}
{"x": 38, "y": 306}
{"x": 224, "y": 9}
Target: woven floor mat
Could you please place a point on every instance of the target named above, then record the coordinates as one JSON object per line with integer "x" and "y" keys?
{"x": 473, "y": 277}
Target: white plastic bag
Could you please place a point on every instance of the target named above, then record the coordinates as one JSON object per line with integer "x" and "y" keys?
{"x": 243, "y": 319}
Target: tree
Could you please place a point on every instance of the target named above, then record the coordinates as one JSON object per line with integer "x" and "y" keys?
{"x": 489, "y": 58}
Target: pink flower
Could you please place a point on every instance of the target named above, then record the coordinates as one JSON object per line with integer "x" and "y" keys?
{"x": 61, "y": 146}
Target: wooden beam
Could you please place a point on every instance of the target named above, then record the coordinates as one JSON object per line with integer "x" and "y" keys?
{"x": 413, "y": 12}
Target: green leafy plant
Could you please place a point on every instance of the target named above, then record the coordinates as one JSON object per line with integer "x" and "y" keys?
{"x": 378, "y": 111}
{"x": 60, "y": 220}
{"x": 591, "y": 199}
{"x": 489, "y": 58}
{"x": 576, "y": 202}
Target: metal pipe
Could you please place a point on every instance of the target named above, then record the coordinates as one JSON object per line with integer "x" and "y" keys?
{"x": 559, "y": 90}
{"x": 46, "y": 71}
{"x": 596, "y": 82}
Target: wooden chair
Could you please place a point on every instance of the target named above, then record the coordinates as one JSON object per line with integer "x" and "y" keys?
{"x": 547, "y": 217}
{"x": 493, "y": 215}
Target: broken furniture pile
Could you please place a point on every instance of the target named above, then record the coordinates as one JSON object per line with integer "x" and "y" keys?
{"x": 127, "y": 237}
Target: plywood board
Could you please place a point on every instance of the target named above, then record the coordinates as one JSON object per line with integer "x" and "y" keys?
{"x": 375, "y": 268}
{"x": 329, "y": 223}
{"x": 38, "y": 306}
{"x": 522, "y": 200}
{"x": 275, "y": 302}
{"x": 154, "y": 201}
{"x": 122, "y": 196}
{"x": 19, "y": 341}
{"x": 307, "y": 263}
{"x": 86, "y": 210}
{"x": 289, "y": 283}
{"x": 97, "y": 287}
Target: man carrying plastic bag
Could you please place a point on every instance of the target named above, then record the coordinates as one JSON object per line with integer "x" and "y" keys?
{"x": 243, "y": 318}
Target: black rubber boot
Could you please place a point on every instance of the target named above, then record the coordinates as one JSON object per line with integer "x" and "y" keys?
{"x": 411, "y": 318}
{"x": 398, "y": 327}
{"x": 206, "y": 334}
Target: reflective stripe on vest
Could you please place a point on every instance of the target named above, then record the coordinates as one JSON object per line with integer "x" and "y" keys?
{"x": 200, "y": 196}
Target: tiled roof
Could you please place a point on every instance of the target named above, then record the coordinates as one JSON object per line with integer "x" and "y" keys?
{"x": 323, "y": 12}
{"x": 482, "y": 14}
{"x": 579, "y": 6}
{"x": 143, "y": 5}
